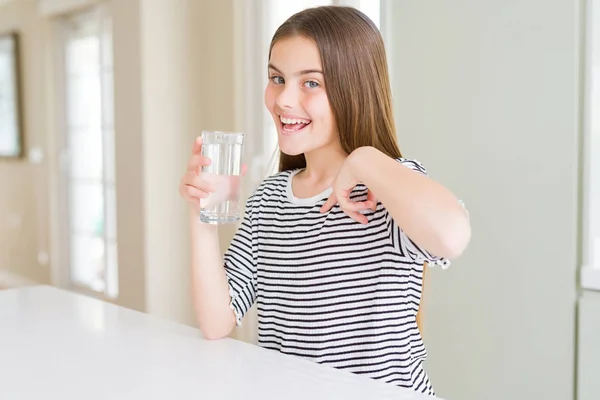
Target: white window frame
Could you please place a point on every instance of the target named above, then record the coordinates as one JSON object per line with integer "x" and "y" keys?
{"x": 62, "y": 259}
{"x": 358, "y": 4}
{"x": 590, "y": 271}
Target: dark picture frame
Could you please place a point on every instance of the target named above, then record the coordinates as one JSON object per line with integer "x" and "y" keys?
{"x": 11, "y": 121}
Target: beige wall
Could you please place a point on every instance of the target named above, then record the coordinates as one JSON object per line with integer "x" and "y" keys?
{"x": 24, "y": 192}
{"x": 31, "y": 190}
{"x": 188, "y": 85}
{"x": 172, "y": 79}
{"x": 167, "y": 116}
{"x": 129, "y": 154}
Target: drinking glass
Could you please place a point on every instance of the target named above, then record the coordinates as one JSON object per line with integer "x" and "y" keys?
{"x": 224, "y": 149}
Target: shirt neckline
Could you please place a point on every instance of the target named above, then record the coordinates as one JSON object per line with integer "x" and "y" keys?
{"x": 305, "y": 201}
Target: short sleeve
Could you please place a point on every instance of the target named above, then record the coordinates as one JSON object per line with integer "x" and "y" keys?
{"x": 402, "y": 242}
{"x": 240, "y": 264}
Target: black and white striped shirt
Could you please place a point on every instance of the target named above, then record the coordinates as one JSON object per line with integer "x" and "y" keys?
{"x": 328, "y": 288}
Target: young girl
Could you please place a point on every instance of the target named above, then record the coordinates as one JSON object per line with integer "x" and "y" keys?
{"x": 332, "y": 247}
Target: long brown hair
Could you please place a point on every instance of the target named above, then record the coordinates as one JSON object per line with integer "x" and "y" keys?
{"x": 355, "y": 74}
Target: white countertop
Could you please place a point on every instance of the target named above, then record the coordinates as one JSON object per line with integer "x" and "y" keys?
{"x": 58, "y": 345}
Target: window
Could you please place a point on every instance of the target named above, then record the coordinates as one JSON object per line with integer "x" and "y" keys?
{"x": 371, "y": 8}
{"x": 591, "y": 151}
{"x": 88, "y": 154}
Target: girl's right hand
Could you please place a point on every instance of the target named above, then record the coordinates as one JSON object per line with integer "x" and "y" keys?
{"x": 193, "y": 186}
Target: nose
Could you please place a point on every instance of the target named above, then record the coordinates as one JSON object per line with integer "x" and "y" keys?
{"x": 287, "y": 97}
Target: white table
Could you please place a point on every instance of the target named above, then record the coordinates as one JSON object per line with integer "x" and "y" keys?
{"x": 56, "y": 344}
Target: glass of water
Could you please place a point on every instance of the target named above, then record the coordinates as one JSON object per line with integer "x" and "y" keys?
{"x": 224, "y": 149}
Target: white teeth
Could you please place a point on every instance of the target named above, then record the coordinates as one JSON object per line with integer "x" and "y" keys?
{"x": 293, "y": 121}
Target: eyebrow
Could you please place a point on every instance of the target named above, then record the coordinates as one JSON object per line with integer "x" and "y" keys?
{"x": 299, "y": 73}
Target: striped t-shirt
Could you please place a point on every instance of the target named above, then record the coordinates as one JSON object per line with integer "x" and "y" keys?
{"x": 328, "y": 288}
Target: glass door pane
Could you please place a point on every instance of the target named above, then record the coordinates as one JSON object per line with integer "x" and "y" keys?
{"x": 91, "y": 194}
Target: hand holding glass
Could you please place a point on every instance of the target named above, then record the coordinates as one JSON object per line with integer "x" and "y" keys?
{"x": 224, "y": 149}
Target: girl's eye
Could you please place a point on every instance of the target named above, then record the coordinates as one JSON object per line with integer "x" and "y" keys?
{"x": 277, "y": 80}
{"x": 311, "y": 84}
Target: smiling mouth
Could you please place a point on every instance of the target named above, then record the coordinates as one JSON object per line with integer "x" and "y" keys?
{"x": 293, "y": 125}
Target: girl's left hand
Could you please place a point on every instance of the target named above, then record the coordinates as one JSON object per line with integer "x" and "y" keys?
{"x": 343, "y": 184}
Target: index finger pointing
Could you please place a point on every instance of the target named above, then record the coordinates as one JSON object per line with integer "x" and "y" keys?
{"x": 329, "y": 203}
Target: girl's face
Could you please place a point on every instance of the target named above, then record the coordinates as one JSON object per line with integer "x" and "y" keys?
{"x": 296, "y": 98}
